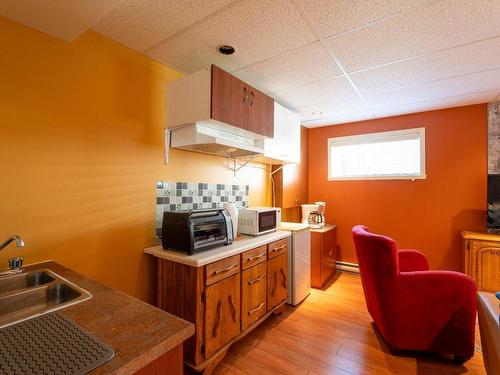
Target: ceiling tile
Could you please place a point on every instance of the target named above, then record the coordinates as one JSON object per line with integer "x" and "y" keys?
{"x": 438, "y": 25}
{"x": 483, "y": 97}
{"x": 140, "y": 24}
{"x": 63, "y": 19}
{"x": 291, "y": 68}
{"x": 446, "y": 88}
{"x": 333, "y": 17}
{"x": 258, "y": 30}
{"x": 328, "y": 90}
{"x": 339, "y": 119}
{"x": 457, "y": 61}
{"x": 329, "y": 109}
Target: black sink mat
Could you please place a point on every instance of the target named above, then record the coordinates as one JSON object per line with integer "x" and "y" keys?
{"x": 50, "y": 344}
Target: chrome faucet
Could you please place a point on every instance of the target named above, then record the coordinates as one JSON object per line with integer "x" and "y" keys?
{"x": 19, "y": 241}
{"x": 16, "y": 263}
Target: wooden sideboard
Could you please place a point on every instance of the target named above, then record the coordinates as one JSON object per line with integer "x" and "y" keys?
{"x": 224, "y": 299}
{"x": 482, "y": 259}
{"x": 323, "y": 255}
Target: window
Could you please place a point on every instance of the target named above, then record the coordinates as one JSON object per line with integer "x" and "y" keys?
{"x": 388, "y": 155}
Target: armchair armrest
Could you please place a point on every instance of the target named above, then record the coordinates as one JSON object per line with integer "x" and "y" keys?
{"x": 428, "y": 299}
{"x": 412, "y": 260}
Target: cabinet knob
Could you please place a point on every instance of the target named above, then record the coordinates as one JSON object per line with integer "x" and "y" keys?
{"x": 245, "y": 94}
{"x": 252, "y": 95}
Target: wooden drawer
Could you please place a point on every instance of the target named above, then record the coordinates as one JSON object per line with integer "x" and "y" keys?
{"x": 252, "y": 257}
{"x": 221, "y": 269}
{"x": 253, "y": 294}
{"x": 277, "y": 248}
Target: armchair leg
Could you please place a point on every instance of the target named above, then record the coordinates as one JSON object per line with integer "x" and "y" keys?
{"x": 460, "y": 359}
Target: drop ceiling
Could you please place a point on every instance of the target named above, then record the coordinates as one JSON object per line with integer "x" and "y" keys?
{"x": 346, "y": 60}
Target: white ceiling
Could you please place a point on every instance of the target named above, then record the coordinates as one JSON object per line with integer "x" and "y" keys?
{"x": 348, "y": 59}
{"x": 60, "y": 18}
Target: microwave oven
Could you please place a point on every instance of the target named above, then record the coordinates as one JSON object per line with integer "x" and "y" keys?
{"x": 258, "y": 220}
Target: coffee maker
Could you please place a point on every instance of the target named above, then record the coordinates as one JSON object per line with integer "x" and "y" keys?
{"x": 308, "y": 212}
{"x": 320, "y": 220}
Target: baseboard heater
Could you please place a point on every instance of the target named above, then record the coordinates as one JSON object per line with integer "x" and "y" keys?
{"x": 347, "y": 267}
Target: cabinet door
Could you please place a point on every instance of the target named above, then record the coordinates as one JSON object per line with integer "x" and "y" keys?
{"x": 260, "y": 113}
{"x": 277, "y": 280}
{"x": 222, "y": 313}
{"x": 291, "y": 150}
{"x": 329, "y": 255}
{"x": 253, "y": 294}
{"x": 273, "y": 147}
{"x": 229, "y": 98}
{"x": 485, "y": 265}
{"x": 316, "y": 253}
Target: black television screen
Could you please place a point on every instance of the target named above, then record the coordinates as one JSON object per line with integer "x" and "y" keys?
{"x": 493, "y": 210}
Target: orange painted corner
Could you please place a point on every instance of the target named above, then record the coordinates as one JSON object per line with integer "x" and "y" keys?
{"x": 428, "y": 214}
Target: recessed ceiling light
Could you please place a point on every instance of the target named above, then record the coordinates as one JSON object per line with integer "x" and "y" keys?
{"x": 226, "y": 49}
{"x": 317, "y": 113}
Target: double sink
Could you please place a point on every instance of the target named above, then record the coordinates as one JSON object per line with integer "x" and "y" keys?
{"x": 29, "y": 294}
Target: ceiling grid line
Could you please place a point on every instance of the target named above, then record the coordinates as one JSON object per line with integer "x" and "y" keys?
{"x": 193, "y": 25}
{"x": 330, "y": 52}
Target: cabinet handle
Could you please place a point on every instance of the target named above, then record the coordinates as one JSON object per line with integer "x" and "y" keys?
{"x": 245, "y": 94}
{"x": 253, "y": 96}
{"x": 275, "y": 277}
{"x": 255, "y": 257}
{"x": 250, "y": 282}
{"x": 250, "y": 312}
{"x": 233, "y": 308}
{"x": 224, "y": 270}
{"x": 274, "y": 249}
{"x": 284, "y": 278}
{"x": 217, "y": 319}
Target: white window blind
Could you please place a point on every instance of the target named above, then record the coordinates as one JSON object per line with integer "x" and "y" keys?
{"x": 388, "y": 155}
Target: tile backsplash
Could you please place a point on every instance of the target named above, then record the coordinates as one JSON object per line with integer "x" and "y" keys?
{"x": 179, "y": 196}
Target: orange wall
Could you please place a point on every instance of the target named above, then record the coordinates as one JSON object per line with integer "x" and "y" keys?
{"x": 427, "y": 215}
{"x": 81, "y": 130}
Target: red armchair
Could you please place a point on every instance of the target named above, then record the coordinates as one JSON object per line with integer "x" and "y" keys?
{"x": 414, "y": 308}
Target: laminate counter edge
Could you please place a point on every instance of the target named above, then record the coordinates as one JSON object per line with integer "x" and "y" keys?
{"x": 218, "y": 253}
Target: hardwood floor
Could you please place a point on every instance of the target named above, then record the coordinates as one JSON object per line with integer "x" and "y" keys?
{"x": 329, "y": 333}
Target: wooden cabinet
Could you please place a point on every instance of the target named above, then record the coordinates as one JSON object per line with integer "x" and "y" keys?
{"x": 285, "y": 145}
{"x": 213, "y": 96}
{"x": 253, "y": 294}
{"x": 323, "y": 255}
{"x": 277, "y": 276}
{"x": 229, "y": 97}
{"x": 260, "y": 113}
{"x": 482, "y": 259}
{"x": 223, "y": 299}
{"x": 290, "y": 180}
{"x": 222, "y": 313}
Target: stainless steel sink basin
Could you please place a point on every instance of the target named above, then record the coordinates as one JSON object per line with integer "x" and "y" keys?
{"x": 24, "y": 281}
{"x": 26, "y": 295}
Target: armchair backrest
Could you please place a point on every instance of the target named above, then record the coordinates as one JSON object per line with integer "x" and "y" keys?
{"x": 378, "y": 266}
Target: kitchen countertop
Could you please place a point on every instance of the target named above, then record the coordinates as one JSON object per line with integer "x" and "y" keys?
{"x": 217, "y": 253}
{"x": 138, "y": 332}
{"x": 324, "y": 229}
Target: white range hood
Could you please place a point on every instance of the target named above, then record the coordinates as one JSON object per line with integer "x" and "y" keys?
{"x": 209, "y": 139}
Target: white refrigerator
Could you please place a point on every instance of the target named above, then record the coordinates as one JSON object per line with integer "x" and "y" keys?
{"x": 299, "y": 262}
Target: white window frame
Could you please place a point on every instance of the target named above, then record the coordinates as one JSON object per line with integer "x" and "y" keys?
{"x": 371, "y": 137}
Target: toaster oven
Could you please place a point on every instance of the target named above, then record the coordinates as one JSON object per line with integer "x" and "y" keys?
{"x": 194, "y": 231}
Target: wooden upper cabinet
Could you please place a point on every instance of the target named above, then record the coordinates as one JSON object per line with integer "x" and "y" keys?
{"x": 260, "y": 113}
{"x": 213, "y": 96}
{"x": 229, "y": 97}
{"x": 222, "y": 313}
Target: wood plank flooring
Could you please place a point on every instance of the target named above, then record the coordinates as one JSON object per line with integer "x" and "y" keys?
{"x": 329, "y": 333}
